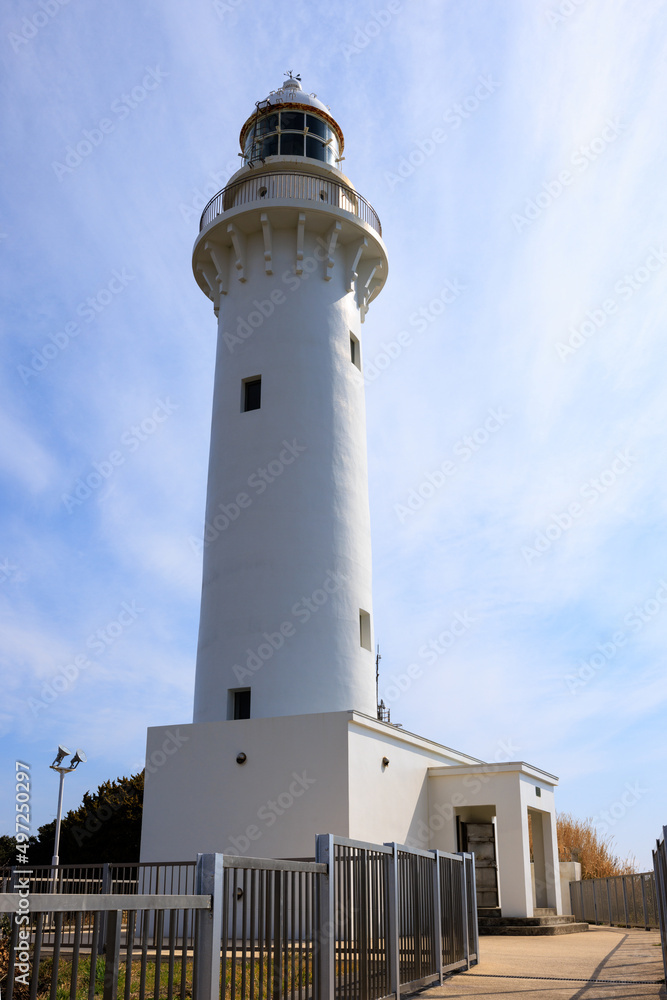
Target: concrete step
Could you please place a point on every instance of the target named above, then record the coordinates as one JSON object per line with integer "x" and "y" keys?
{"x": 533, "y": 930}
{"x": 537, "y": 921}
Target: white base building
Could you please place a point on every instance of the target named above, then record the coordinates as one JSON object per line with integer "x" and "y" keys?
{"x": 348, "y": 774}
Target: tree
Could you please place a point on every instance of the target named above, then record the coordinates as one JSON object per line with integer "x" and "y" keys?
{"x": 578, "y": 840}
{"x": 105, "y": 827}
{"x": 8, "y": 846}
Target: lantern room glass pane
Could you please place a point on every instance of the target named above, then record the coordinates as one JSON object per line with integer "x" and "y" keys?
{"x": 291, "y": 119}
{"x": 291, "y": 143}
{"x": 317, "y": 127}
{"x": 267, "y": 147}
{"x": 267, "y": 124}
{"x": 316, "y": 149}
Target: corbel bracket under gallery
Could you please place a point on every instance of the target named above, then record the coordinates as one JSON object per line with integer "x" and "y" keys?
{"x": 239, "y": 243}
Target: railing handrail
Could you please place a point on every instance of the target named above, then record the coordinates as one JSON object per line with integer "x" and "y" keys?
{"x": 224, "y": 194}
{"x": 83, "y": 902}
{"x": 273, "y": 864}
{"x": 7, "y": 869}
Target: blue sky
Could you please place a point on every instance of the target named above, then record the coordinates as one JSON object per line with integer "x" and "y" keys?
{"x": 515, "y": 153}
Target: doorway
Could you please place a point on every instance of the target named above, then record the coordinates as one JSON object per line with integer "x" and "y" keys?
{"x": 481, "y": 838}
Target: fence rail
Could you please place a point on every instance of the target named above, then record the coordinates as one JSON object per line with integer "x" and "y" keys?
{"x": 660, "y": 871}
{"x": 290, "y": 184}
{"x": 621, "y": 900}
{"x": 362, "y": 922}
{"x": 140, "y": 877}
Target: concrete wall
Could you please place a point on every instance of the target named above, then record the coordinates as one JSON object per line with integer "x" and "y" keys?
{"x": 570, "y": 871}
{"x": 324, "y": 773}
{"x": 292, "y": 787}
{"x": 505, "y": 791}
{"x": 391, "y": 803}
{"x": 197, "y": 798}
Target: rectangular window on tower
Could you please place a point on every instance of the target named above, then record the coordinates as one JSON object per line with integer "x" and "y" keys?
{"x": 239, "y": 704}
{"x": 251, "y": 396}
{"x": 355, "y": 353}
{"x": 365, "y": 629}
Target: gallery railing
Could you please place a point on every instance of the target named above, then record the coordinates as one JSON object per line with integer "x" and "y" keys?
{"x": 290, "y": 184}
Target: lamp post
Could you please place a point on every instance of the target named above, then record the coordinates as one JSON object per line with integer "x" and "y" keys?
{"x": 78, "y": 757}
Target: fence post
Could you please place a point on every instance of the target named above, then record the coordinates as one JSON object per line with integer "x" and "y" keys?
{"x": 393, "y": 949}
{"x": 279, "y": 935}
{"x": 625, "y": 901}
{"x": 102, "y": 930}
{"x": 464, "y": 909}
{"x": 326, "y": 918}
{"x": 660, "y": 869}
{"x": 208, "y": 882}
{"x": 114, "y": 924}
{"x": 644, "y": 907}
{"x": 595, "y": 901}
{"x": 437, "y": 916}
{"x": 581, "y": 898}
{"x": 611, "y": 915}
{"x": 473, "y": 904}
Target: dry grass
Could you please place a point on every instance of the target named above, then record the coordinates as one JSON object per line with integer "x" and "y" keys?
{"x": 578, "y": 840}
{"x": 261, "y": 990}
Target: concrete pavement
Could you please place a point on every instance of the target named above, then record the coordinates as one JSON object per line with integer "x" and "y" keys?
{"x": 561, "y": 968}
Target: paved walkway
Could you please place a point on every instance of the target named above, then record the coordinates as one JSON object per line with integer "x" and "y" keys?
{"x": 561, "y": 968}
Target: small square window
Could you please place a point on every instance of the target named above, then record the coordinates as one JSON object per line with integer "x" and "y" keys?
{"x": 355, "y": 354}
{"x": 252, "y": 393}
{"x": 365, "y": 629}
{"x": 240, "y": 704}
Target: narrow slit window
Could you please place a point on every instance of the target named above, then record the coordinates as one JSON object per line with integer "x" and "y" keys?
{"x": 355, "y": 356}
{"x": 240, "y": 704}
{"x": 252, "y": 393}
{"x": 365, "y": 629}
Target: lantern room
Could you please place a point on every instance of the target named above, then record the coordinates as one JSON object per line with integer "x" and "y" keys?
{"x": 291, "y": 123}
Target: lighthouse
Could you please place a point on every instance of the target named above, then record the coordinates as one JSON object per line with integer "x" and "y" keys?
{"x": 285, "y": 741}
{"x": 291, "y": 256}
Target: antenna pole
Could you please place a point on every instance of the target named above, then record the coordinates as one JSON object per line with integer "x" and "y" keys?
{"x": 377, "y": 676}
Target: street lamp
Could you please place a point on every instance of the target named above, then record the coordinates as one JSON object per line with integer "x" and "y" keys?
{"x": 78, "y": 757}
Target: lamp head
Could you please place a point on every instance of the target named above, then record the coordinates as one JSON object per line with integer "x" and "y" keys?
{"x": 78, "y": 758}
{"x": 60, "y": 756}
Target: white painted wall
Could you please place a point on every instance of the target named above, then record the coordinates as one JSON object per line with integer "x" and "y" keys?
{"x": 197, "y": 798}
{"x": 391, "y": 803}
{"x": 570, "y": 871}
{"x": 506, "y": 791}
{"x": 305, "y": 536}
{"x": 292, "y": 787}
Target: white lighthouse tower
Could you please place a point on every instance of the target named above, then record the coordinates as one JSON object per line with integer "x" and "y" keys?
{"x": 291, "y": 256}
{"x": 286, "y": 742}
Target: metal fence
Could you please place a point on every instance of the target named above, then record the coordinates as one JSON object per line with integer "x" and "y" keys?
{"x": 291, "y": 184}
{"x": 362, "y": 922}
{"x": 660, "y": 871}
{"x": 170, "y": 878}
{"x": 57, "y": 950}
{"x": 401, "y": 918}
{"x": 621, "y": 900}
